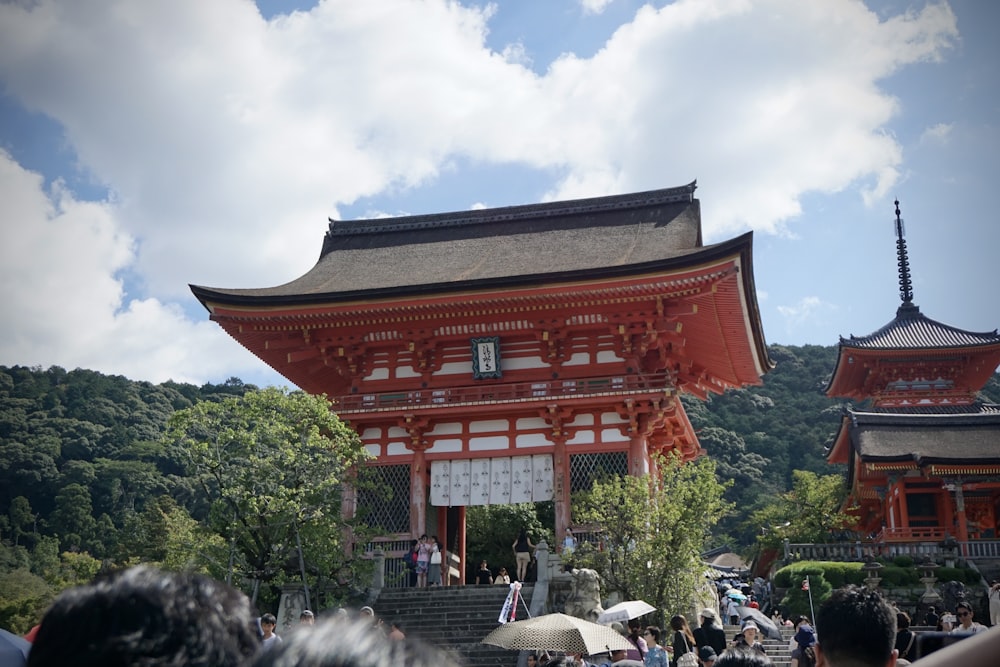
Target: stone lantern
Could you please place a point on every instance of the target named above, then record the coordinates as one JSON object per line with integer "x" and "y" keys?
{"x": 927, "y": 578}
{"x": 871, "y": 569}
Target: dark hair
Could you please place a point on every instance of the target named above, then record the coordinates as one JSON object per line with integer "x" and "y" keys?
{"x": 142, "y": 616}
{"x": 269, "y": 619}
{"x": 351, "y": 644}
{"x": 655, "y": 631}
{"x": 857, "y": 626}
{"x": 902, "y": 620}
{"x": 742, "y": 658}
{"x": 680, "y": 624}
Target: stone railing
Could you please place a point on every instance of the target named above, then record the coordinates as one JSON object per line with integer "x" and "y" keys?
{"x": 918, "y": 550}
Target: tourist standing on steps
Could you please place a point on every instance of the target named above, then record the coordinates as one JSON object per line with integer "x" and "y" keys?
{"x": 434, "y": 573}
{"x": 995, "y": 603}
{"x": 711, "y": 632}
{"x": 484, "y": 576}
{"x": 410, "y": 560}
{"x": 502, "y": 577}
{"x": 522, "y": 547}
{"x": 424, "y": 549}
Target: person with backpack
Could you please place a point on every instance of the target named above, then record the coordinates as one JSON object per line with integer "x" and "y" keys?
{"x": 803, "y": 653}
{"x": 410, "y": 561}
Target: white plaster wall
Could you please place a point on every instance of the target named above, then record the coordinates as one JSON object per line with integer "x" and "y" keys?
{"x": 489, "y": 443}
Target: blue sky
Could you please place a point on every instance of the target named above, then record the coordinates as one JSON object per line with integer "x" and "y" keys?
{"x": 146, "y": 146}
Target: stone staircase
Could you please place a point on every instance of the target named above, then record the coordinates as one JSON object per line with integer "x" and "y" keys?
{"x": 453, "y": 618}
{"x": 457, "y": 618}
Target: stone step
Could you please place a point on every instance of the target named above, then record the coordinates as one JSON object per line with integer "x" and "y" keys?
{"x": 453, "y": 618}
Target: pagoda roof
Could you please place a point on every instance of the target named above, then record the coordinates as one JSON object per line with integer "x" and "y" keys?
{"x": 912, "y": 330}
{"x": 945, "y": 438}
{"x": 509, "y": 246}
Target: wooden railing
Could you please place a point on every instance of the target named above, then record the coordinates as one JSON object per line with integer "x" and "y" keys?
{"x": 501, "y": 392}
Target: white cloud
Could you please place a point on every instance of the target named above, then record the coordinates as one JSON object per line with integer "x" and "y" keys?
{"x": 227, "y": 140}
{"x": 63, "y": 303}
{"x": 807, "y": 309}
{"x": 594, "y": 6}
{"x": 937, "y": 134}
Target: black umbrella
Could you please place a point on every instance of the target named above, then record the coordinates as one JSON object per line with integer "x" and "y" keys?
{"x": 13, "y": 649}
{"x": 765, "y": 624}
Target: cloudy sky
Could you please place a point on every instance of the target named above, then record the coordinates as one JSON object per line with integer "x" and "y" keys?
{"x": 148, "y": 145}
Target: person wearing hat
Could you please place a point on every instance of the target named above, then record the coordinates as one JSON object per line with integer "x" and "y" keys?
{"x": 307, "y": 618}
{"x": 963, "y": 611}
{"x": 711, "y": 632}
{"x": 747, "y": 639}
{"x": 707, "y": 656}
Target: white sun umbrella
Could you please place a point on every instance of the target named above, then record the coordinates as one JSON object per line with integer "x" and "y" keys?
{"x": 625, "y": 611}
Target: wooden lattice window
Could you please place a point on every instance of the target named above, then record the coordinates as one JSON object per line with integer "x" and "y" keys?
{"x": 384, "y": 503}
{"x": 583, "y": 468}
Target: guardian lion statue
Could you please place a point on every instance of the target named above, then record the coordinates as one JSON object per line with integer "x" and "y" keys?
{"x": 584, "y": 600}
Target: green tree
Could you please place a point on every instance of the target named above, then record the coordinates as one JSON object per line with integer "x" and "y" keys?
{"x": 652, "y": 530}
{"x": 810, "y": 512}
{"x": 491, "y": 529}
{"x": 273, "y": 465}
{"x": 73, "y": 518}
{"x": 22, "y": 519}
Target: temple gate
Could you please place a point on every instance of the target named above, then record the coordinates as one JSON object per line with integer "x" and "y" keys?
{"x": 505, "y": 355}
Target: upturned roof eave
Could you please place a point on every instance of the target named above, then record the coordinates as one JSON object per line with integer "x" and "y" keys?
{"x": 253, "y": 298}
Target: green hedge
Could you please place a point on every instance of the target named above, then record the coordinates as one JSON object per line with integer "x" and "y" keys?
{"x": 898, "y": 574}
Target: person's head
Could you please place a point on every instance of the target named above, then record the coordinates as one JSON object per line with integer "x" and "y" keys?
{"x": 366, "y": 614}
{"x": 148, "y": 617}
{"x": 532, "y": 660}
{"x": 652, "y": 634}
{"x": 749, "y": 632}
{"x": 351, "y": 644}
{"x": 423, "y": 538}
{"x": 307, "y": 617}
{"x": 856, "y": 627}
{"x": 963, "y": 611}
{"x": 742, "y": 658}
{"x": 799, "y": 620}
{"x": 902, "y": 620}
{"x": 267, "y": 623}
{"x": 707, "y": 656}
{"x": 678, "y": 623}
{"x": 634, "y": 628}
{"x": 708, "y": 616}
{"x": 483, "y": 566}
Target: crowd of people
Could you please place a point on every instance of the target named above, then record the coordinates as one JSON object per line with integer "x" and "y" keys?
{"x": 144, "y": 616}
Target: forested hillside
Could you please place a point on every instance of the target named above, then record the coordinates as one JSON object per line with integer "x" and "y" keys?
{"x": 84, "y": 468}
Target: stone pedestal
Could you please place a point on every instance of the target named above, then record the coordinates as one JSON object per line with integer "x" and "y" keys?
{"x": 290, "y": 607}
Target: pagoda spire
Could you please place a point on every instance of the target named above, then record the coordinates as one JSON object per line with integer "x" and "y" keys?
{"x": 903, "y": 264}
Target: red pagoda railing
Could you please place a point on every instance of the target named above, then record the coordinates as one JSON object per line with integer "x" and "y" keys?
{"x": 502, "y": 392}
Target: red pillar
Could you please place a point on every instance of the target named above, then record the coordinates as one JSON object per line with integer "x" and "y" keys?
{"x": 561, "y": 487}
{"x": 460, "y": 539}
{"x": 418, "y": 493}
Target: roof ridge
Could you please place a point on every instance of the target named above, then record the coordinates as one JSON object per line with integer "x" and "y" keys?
{"x": 682, "y": 193}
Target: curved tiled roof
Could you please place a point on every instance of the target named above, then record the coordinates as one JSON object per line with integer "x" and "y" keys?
{"x": 925, "y": 438}
{"x": 466, "y": 249}
{"x": 912, "y": 330}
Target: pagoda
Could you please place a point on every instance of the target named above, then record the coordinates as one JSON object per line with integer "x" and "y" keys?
{"x": 923, "y": 455}
{"x": 508, "y": 355}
